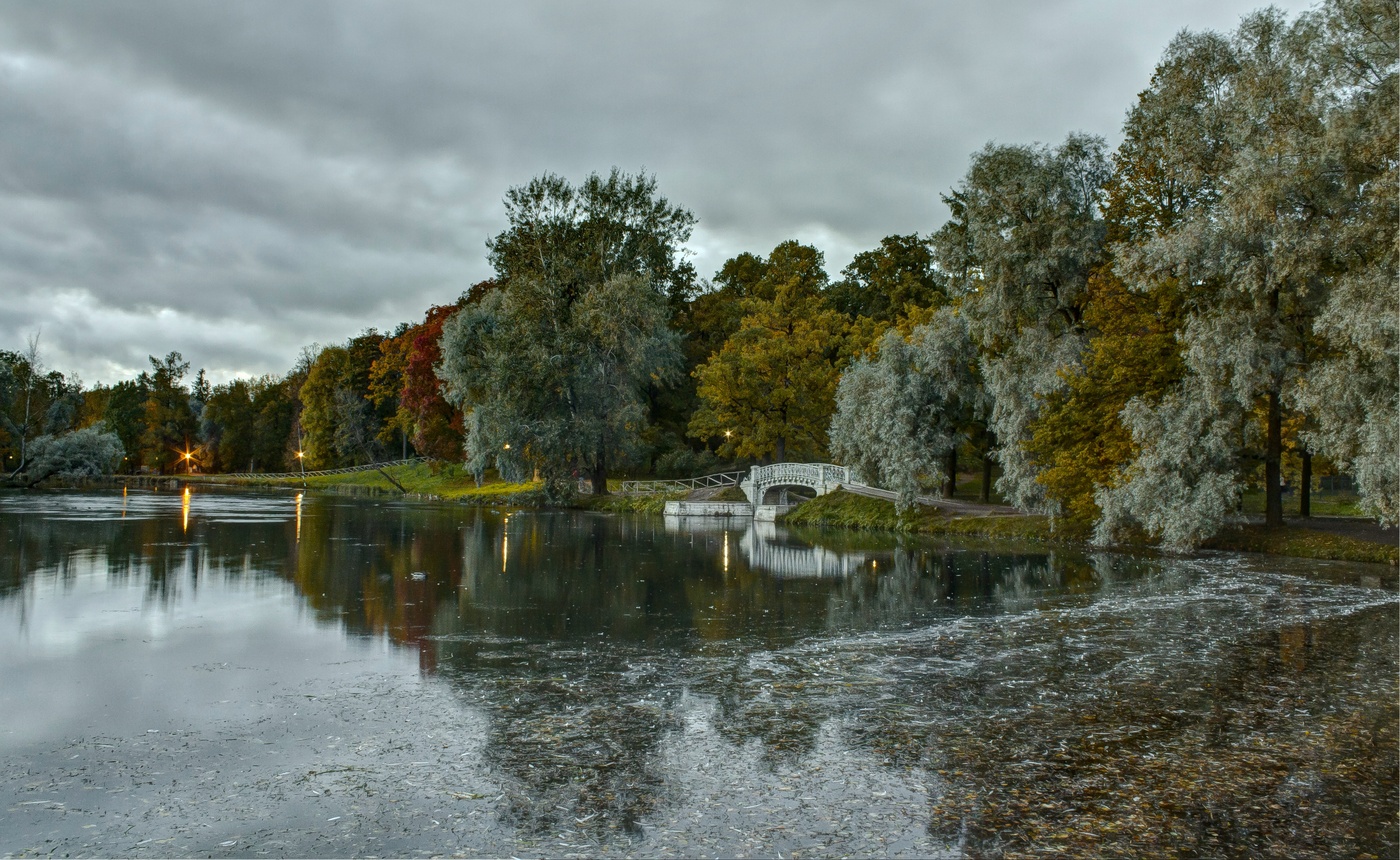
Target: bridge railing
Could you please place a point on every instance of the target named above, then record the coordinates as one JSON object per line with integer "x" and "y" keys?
{"x": 318, "y": 472}
{"x": 808, "y": 474}
{"x": 719, "y": 479}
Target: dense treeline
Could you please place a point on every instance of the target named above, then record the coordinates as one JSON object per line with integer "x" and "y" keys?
{"x": 1127, "y": 338}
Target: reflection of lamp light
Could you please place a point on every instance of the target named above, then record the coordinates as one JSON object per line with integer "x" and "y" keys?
{"x": 505, "y": 541}
{"x": 299, "y": 517}
{"x": 185, "y": 510}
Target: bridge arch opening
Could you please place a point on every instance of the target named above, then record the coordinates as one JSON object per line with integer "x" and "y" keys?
{"x": 787, "y": 494}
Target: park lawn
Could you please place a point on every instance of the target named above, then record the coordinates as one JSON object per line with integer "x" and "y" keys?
{"x": 1324, "y": 503}
{"x": 447, "y": 481}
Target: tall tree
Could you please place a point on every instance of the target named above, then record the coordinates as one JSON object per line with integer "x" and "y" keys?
{"x": 320, "y": 409}
{"x": 769, "y": 391}
{"x": 26, "y": 398}
{"x": 1352, "y": 392}
{"x": 1168, "y": 166}
{"x": 436, "y": 424}
{"x": 554, "y": 375}
{"x": 124, "y": 414}
{"x": 230, "y": 420}
{"x": 169, "y": 423}
{"x": 902, "y": 412}
{"x": 1254, "y": 268}
{"x": 1026, "y": 232}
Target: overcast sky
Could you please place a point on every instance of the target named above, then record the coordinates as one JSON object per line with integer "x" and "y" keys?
{"x": 235, "y": 180}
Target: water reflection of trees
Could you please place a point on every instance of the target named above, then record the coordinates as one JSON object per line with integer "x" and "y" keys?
{"x": 1044, "y": 713}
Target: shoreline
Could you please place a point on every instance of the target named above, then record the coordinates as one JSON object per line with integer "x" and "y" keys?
{"x": 840, "y": 509}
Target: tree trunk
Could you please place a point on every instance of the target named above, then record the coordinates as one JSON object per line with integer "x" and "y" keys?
{"x": 1305, "y": 491}
{"x": 951, "y": 484}
{"x": 1273, "y": 489}
{"x": 600, "y": 476}
{"x": 780, "y": 453}
{"x": 987, "y": 477}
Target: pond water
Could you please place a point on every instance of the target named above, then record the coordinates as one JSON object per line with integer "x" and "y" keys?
{"x": 221, "y": 674}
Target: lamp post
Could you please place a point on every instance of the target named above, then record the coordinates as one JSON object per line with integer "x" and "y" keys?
{"x": 302, "y": 463}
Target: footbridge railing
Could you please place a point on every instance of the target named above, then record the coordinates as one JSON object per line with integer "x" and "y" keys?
{"x": 318, "y": 472}
{"x": 719, "y": 479}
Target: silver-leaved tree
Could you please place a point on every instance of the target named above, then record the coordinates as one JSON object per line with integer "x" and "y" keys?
{"x": 552, "y": 370}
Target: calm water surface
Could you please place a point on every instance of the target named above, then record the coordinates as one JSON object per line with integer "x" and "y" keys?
{"x": 220, "y": 674}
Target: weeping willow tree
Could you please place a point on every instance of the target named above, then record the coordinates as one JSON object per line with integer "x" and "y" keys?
{"x": 1287, "y": 276}
{"x": 902, "y": 412}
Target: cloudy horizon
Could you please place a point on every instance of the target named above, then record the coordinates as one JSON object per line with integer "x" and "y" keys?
{"x": 237, "y": 181}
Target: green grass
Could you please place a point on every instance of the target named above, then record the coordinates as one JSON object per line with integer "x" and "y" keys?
{"x": 1322, "y": 504}
{"x": 1302, "y": 542}
{"x": 652, "y": 503}
{"x": 446, "y": 481}
{"x": 729, "y": 494}
{"x": 846, "y": 510}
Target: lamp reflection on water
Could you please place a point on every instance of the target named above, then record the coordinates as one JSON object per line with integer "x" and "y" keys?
{"x": 299, "y": 495}
{"x": 505, "y": 541}
{"x": 185, "y": 510}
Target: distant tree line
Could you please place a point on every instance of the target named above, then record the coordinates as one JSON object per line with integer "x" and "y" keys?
{"x": 1127, "y": 338}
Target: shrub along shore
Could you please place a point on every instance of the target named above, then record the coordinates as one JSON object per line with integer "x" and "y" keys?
{"x": 844, "y": 510}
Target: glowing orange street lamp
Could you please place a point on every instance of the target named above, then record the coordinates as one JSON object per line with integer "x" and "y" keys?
{"x": 302, "y": 463}
{"x": 188, "y": 460}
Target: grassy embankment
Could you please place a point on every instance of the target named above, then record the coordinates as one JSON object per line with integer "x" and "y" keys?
{"x": 446, "y": 482}
{"x": 850, "y": 511}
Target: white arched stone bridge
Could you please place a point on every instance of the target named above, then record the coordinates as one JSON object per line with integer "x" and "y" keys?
{"x": 821, "y": 477}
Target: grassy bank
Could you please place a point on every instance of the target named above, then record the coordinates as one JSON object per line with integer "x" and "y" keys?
{"x": 448, "y": 482}
{"x": 445, "y": 481}
{"x": 846, "y": 510}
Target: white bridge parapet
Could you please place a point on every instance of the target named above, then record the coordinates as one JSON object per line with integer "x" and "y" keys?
{"x": 821, "y": 477}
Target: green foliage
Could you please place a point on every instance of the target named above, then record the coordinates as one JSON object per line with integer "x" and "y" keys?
{"x": 124, "y": 413}
{"x": 274, "y": 429}
{"x": 319, "y": 409}
{"x": 902, "y": 412}
{"x": 231, "y": 422}
{"x": 884, "y": 284}
{"x": 33, "y": 401}
{"x": 1275, "y": 275}
{"x": 770, "y": 390}
{"x": 1079, "y": 443}
{"x": 170, "y": 425}
{"x": 76, "y": 455}
{"x": 577, "y": 237}
{"x": 554, "y": 376}
{"x": 1024, "y": 236}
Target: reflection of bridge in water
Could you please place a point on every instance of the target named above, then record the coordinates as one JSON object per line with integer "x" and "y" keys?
{"x": 765, "y": 549}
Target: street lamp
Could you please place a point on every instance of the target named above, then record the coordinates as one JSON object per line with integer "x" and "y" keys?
{"x": 302, "y": 463}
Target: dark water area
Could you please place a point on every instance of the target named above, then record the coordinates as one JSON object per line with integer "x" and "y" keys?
{"x": 221, "y": 674}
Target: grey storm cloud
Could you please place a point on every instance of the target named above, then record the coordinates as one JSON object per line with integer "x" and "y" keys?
{"x": 236, "y": 180}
